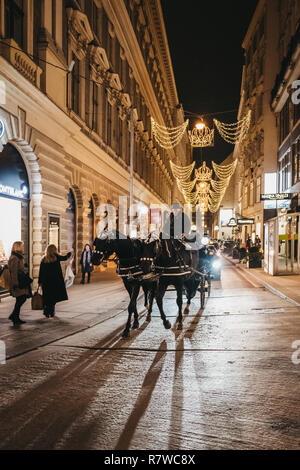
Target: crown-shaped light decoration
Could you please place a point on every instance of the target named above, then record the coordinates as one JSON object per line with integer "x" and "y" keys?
{"x": 202, "y": 136}
{"x": 203, "y": 173}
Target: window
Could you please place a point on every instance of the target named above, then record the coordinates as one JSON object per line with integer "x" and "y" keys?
{"x": 109, "y": 123}
{"x": 104, "y": 28}
{"x": 75, "y": 85}
{"x": 245, "y": 199}
{"x": 285, "y": 121}
{"x": 14, "y": 21}
{"x": 285, "y": 172}
{"x": 36, "y": 27}
{"x": 54, "y": 19}
{"x": 104, "y": 108}
{"x": 95, "y": 115}
{"x": 120, "y": 137}
{"x": 258, "y": 189}
{"x": 251, "y": 195}
{"x": 92, "y": 12}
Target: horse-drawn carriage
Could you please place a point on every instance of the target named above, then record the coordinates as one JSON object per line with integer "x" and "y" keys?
{"x": 155, "y": 265}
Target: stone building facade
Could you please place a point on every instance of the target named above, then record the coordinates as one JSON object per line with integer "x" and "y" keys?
{"x": 257, "y": 152}
{"x": 70, "y": 71}
{"x": 284, "y": 254}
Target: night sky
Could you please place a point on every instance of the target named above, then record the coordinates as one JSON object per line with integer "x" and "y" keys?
{"x": 205, "y": 38}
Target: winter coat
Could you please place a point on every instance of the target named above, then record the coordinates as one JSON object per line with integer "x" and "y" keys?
{"x": 86, "y": 266}
{"x": 16, "y": 266}
{"x": 52, "y": 281}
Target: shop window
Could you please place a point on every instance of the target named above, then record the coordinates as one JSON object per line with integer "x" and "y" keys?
{"x": 54, "y": 230}
{"x": 71, "y": 225}
{"x": 91, "y": 218}
{"x": 14, "y": 202}
{"x": 15, "y": 21}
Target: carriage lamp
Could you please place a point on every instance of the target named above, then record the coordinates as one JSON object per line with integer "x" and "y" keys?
{"x": 216, "y": 264}
{"x": 205, "y": 240}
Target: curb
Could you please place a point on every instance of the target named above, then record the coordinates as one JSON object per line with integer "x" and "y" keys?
{"x": 265, "y": 284}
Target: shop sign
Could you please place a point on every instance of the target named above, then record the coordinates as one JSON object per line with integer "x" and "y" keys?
{"x": 275, "y": 196}
{"x": 13, "y": 192}
{"x": 232, "y": 223}
{"x": 245, "y": 221}
{"x": 284, "y": 204}
{"x": 1, "y": 128}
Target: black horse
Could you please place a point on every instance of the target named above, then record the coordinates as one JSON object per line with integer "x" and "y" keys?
{"x": 136, "y": 260}
{"x": 176, "y": 266}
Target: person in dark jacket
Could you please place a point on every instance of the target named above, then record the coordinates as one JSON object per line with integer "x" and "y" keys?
{"x": 176, "y": 224}
{"x": 20, "y": 281}
{"x": 86, "y": 263}
{"x": 51, "y": 280}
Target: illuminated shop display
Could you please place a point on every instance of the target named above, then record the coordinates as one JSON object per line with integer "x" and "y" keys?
{"x": 14, "y": 202}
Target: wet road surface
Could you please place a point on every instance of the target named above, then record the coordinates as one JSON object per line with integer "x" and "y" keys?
{"x": 226, "y": 381}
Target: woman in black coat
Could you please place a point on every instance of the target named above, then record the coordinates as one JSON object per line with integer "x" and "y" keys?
{"x": 86, "y": 263}
{"x": 52, "y": 281}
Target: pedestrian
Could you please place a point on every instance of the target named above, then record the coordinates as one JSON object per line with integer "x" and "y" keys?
{"x": 248, "y": 243}
{"x": 20, "y": 281}
{"x": 257, "y": 241}
{"x": 86, "y": 263}
{"x": 51, "y": 280}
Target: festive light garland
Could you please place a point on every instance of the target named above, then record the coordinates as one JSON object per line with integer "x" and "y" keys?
{"x": 236, "y": 132}
{"x": 224, "y": 171}
{"x": 182, "y": 172}
{"x": 168, "y": 137}
{"x": 203, "y": 137}
{"x": 204, "y": 196}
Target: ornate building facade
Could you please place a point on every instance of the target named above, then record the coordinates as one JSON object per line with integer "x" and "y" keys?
{"x": 70, "y": 71}
{"x": 257, "y": 152}
{"x": 284, "y": 256}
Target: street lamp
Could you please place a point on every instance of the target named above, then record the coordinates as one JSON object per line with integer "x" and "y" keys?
{"x": 200, "y": 126}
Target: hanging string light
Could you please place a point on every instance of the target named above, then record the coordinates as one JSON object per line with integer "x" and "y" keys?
{"x": 202, "y": 136}
{"x": 182, "y": 172}
{"x": 168, "y": 137}
{"x": 224, "y": 171}
{"x": 236, "y": 132}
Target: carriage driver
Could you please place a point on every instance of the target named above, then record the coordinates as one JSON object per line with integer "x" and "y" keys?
{"x": 176, "y": 223}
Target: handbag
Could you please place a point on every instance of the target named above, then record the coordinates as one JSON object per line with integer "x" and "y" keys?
{"x": 24, "y": 280}
{"x": 37, "y": 302}
{"x": 69, "y": 276}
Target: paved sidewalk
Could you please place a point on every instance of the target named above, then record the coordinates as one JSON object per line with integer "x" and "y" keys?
{"x": 287, "y": 287}
{"x": 88, "y": 305}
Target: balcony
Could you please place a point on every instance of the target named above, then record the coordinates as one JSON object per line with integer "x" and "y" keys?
{"x": 21, "y": 61}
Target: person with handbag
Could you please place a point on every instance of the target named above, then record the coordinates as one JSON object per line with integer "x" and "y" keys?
{"x": 86, "y": 263}
{"x": 20, "y": 282}
{"x": 51, "y": 280}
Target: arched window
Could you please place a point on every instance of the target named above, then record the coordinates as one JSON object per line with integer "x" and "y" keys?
{"x": 14, "y": 202}
{"x": 71, "y": 225}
